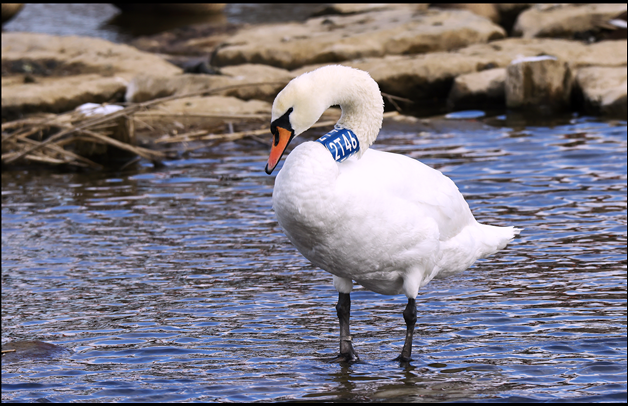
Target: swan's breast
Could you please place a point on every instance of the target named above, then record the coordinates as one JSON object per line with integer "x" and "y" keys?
{"x": 303, "y": 195}
{"x": 344, "y": 219}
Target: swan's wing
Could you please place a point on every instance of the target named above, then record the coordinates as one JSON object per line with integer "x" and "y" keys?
{"x": 398, "y": 183}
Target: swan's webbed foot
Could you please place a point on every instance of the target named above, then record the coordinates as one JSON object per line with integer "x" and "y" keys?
{"x": 403, "y": 360}
{"x": 347, "y": 357}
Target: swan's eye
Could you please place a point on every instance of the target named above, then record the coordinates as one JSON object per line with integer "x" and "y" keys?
{"x": 283, "y": 122}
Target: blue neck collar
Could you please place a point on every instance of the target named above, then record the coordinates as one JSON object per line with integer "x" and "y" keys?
{"x": 341, "y": 143}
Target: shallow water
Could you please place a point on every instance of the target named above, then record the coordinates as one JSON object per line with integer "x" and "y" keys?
{"x": 176, "y": 284}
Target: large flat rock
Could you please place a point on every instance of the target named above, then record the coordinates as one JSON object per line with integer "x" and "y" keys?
{"x": 59, "y": 94}
{"x": 415, "y": 77}
{"x": 564, "y": 20}
{"x": 247, "y": 81}
{"x": 407, "y": 29}
{"x": 50, "y": 73}
{"x": 202, "y": 113}
{"x": 81, "y": 54}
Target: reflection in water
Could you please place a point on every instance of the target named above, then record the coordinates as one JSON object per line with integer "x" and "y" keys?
{"x": 176, "y": 284}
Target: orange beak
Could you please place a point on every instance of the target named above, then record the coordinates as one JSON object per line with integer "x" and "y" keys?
{"x": 282, "y": 138}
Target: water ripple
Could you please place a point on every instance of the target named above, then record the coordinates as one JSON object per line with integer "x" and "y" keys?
{"x": 176, "y": 284}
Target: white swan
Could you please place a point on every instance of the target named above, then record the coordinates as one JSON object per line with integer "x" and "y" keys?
{"x": 384, "y": 220}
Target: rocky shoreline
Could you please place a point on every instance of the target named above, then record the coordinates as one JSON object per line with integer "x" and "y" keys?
{"x": 549, "y": 57}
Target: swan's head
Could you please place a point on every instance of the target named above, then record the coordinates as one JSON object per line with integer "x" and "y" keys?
{"x": 295, "y": 109}
{"x": 301, "y": 103}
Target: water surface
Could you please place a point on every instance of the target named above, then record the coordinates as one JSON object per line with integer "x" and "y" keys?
{"x": 176, "y": 284}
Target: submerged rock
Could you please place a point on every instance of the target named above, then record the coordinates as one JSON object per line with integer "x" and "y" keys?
{"x": 32, "y": 351}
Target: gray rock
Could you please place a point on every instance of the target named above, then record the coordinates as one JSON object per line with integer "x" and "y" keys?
{"x": 602, "y": 90}
{"x": 402, "y": 30}
{"x": 478, "y": 90}
{"x": 563, "y": 20}
{"x": 538, "y": 83}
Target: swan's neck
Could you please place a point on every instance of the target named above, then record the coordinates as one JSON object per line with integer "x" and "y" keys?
{"x": 359, "y": 97}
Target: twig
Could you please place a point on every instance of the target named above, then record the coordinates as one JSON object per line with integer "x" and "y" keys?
{"x": 182, "y": 137}
{"x": 88, "y": 123}
{"x": 242, "y": 134}
{"x": 60, "y": 150}
{"x": 254, "y": 133}
{"x": 49, "y": 160}
{"x": 143, "y": 152}
{"x": 131, "y": 162}
{"x": 392, "y": 98}
{"x": 21, "y": 134}
{"x": 44, "y": 121}
{"x": 395, "y": 105}
{"x": 397, "y": 97}
{"x": 209, "y": 115}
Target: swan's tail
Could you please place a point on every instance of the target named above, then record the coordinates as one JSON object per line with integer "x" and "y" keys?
{"x": 495, "y": 238}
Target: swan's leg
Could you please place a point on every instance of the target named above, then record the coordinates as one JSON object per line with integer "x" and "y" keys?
{"x": 343, "y": 309}
{"x": 409, "y": 315}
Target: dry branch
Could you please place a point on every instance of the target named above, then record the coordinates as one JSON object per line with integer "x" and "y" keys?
{"x": 202, "y": 135}
{"x": 74, "y": 126}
